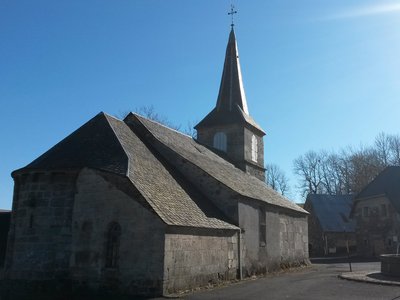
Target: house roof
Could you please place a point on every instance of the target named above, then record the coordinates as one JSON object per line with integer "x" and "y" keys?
{"x": 332, "y": 211}
{"x": 108, "y": 144}
{"x": 5, "y": 211}
{"x": 215, "y": 166}
{"x": 385, "y": 183}
{"x": 231, "y": 104}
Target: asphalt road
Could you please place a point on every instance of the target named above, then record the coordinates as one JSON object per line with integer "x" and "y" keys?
{"x": 317, "y": 282}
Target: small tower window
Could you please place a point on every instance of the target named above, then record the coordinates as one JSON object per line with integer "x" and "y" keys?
{"x": 220, "y": 141}
{"x": 112, "y": 247}
{"x": 254, "y": 148}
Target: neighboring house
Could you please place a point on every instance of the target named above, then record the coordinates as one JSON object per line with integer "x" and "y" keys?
{"x": 137, "y": 206}
{"x": 5, "y": 216}
{"x": 376, "y": 211}
{"x": 330, "y": 229}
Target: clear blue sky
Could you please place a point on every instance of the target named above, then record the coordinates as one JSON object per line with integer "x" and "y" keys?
{"x": 317, "y": 74}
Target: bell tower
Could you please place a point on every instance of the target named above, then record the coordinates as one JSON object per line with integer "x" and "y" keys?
{"x": 229, "y": 129}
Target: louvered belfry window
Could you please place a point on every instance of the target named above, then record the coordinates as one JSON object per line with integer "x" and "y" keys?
{"x": 220, "y": 141}
{"x": 254, "y": 148}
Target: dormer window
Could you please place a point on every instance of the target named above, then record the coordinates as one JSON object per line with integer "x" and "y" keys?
{"x": 220, "y": 141}
{"x": 254, "y": 148}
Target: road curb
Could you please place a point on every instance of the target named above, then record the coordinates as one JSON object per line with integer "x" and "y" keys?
{"x": 374, "y": 277}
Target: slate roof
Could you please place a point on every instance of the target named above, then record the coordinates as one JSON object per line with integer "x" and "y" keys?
{"x": 231, "y": 104}
{"x": 93, "y": 145}
{"x": 385, "y": 183}
{"x": 108, "y": 144}
{"x": 161, "y": 190}
{"x": 215, "y": 166}
{"x": 332, "y": 211}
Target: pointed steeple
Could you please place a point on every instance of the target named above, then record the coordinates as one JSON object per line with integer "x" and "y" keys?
{"x": 229, "y": 129}
{"x": 231, "y": 91}
{"x": 231, "y": 104}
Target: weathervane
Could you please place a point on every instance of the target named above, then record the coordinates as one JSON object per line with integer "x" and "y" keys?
{"x": 233, "y": 11}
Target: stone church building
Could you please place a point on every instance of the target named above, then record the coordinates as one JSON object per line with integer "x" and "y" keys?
{"x": 141, "y": 208}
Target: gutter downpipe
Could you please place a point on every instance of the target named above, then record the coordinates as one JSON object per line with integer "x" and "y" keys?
{"x": 240, "y": 253}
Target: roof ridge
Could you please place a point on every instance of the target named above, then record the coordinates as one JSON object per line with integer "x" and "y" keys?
{"x": 163, "y": 125}
{"x": 119, "y": 142}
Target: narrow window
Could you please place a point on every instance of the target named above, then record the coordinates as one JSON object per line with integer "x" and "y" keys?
{"x": 220, "y": 141}
{"x": 383, "y": 210}
{"x": 31, "y": 219}
{"x": 262, "y": 226}
{"x": 254, "y": 148}
{"x": 112, "y": 247}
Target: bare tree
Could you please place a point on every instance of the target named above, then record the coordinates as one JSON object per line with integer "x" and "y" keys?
{"x": 382, "y": 148}
{"x": 331, "y": 175}
{"x": 189, "y": 130}
{"x": 277, "y": 179}
{"x": 395, "y": 149}
{"x": 308, "y": 168}
{"x": 366, "y": 163}
{"x": 150, "y": 112}
{"x": 347, "y": 172}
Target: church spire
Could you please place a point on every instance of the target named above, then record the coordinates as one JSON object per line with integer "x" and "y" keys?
{"x": 231, "y": 91}
{"x": 228, "y": 128}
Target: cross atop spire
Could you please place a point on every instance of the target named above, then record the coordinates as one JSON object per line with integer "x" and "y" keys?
{"x": 233, "y": 11}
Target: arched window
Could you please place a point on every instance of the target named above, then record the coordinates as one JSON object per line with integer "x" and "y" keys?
{"x": 220, "y": 141}
{"x": 254, "y": 149}
{"x": 112, "y": 246}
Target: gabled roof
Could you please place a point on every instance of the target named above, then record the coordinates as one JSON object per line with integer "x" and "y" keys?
{"x": 385, "y": 183}
{"x": 108, "y": 144}
{"x": 231, "y": 104}
{"x": 215, "y": 166}
{"x": 332, "y": 211}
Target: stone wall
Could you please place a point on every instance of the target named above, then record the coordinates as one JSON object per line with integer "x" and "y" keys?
{"x": 40, "y": 231}
{"x": 293, "y": 239}
{"x": 282, "y": 242}
{"x": 235, "y": 139}
{"x": 198, "y": 257}
{"x": 376, "y": 230}
{"x": 238, "y": 147}
{"x": 139, "y": 268}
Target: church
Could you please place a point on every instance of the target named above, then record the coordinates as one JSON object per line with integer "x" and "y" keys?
{"x": 136, "y": 207}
